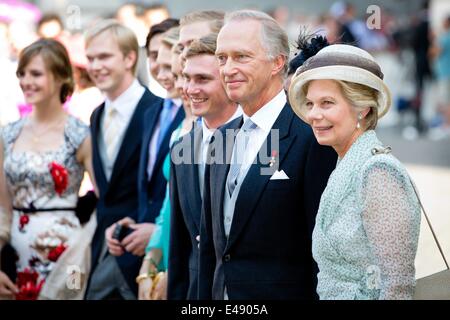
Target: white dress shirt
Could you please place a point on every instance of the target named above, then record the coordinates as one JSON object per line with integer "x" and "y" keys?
{"x": 125, "y": 104}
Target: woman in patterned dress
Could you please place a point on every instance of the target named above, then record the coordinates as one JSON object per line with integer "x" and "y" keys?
{"x": 367, "y": 227}
{"x": 43, "y": 157}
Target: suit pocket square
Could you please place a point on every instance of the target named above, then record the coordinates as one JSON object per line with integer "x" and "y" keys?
{"x": 279, "y": 175}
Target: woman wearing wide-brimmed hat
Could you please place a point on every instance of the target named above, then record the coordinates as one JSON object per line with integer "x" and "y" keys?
{"x": 367, "y": 227}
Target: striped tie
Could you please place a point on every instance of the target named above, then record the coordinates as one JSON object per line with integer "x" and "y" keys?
{"x": 110, "y": 132}
{"x": 240, "y": 145}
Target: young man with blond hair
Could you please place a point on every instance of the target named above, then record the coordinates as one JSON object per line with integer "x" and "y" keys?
{"x": 116, "y": 129}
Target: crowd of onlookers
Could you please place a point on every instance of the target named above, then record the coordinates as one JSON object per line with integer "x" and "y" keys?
{"x": 409, "y": 38}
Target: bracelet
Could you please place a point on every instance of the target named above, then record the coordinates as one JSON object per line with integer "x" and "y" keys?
{"x": 151, "y": 260}
{"x": 143, "y": 276}
{"x": 147, "y": 258}
{"x": 156, "y": 279}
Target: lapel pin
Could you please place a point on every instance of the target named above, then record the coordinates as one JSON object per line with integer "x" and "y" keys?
{"x": 273, "y": 159}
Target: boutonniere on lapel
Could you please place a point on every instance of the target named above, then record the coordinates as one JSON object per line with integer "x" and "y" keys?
{"x": 273, "y": 158}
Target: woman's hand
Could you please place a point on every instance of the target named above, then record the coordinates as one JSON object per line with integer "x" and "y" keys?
{"x": 7, "y": 288}
{"x": 145, "y": 289}
{"x": 160, "y": 289}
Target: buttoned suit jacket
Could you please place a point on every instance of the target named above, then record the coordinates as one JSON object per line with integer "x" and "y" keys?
{"x": 186, "y": 206}
{"x": 267, "y": 254}
{"x": 118, "y": 196}
{"x": 152, "y": 193}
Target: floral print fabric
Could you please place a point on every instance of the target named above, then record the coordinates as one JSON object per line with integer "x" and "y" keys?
{"x": 367, "y": 227}
{"x": 41, "y": 237}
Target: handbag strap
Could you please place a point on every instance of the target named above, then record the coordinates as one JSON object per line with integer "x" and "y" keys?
{"x": 429, "y": 224}
{"x": 386, "y": 150}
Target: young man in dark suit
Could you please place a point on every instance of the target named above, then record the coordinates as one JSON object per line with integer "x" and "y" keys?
{"x": 209, "y": 101}
{"x": 160, "y": 125}
{"x": 160, "y": 120}
{"x": 116, "y": 129}
{"x": 260, "y": 199}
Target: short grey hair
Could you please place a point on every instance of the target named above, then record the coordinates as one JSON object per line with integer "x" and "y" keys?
{"x": 274, "y": 38}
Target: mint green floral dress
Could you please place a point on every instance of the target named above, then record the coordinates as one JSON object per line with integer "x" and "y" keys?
{"x": 367, "y": 227}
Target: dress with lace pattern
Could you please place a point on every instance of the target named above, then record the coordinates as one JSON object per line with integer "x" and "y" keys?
{"x": 40, "y": 237}
{"x": 367, "y": 227}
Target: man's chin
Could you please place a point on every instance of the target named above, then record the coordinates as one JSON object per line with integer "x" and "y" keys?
{"x": 234, "y": 96}
{"x": 103, "y": 86}
{"x": 186, "y": 102}
{"x": 197, "y": 112}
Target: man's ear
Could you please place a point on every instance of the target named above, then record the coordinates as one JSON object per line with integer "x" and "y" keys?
{"x": 278, "y": 65}
{"x": 131, "y": 59}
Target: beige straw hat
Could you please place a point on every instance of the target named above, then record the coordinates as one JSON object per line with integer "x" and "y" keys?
{"x": 340, "y": 62}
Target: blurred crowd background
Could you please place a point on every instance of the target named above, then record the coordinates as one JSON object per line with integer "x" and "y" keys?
{"x": 409, "y": 38}
{"x": 406, "y": 36}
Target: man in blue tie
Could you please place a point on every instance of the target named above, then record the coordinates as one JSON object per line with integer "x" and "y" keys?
{"x": 159, "y": 122}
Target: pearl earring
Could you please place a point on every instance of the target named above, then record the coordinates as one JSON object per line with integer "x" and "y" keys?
{"x": 358, "y": 125}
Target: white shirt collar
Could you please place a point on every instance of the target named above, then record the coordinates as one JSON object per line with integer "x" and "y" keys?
{"x": 178, "y": 102}
{"x": 265, "y": 117}
{"x": 236, "y": 114}
{"x": 207, "y": 133}
{"x": 127, "y": 101}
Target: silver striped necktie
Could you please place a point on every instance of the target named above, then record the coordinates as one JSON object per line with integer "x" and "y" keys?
{"x": 239, "y": 148}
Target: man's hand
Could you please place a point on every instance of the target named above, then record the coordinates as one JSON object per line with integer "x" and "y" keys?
{"x": 137, "y": 241}
{"x": 7, "y": 288}
{"x": 114, "y": 246}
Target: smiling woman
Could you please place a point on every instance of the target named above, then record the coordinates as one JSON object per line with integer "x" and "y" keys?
{"x": 334, "y": 105}
{"x": 41, "y": 67}
{"x": 44, "y": 156}
{"x": 367, "y": 226}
